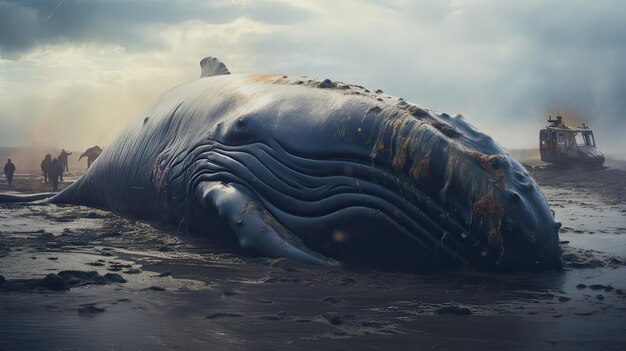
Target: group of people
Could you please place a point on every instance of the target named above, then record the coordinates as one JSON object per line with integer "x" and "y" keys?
{"x": 53, "y": 168}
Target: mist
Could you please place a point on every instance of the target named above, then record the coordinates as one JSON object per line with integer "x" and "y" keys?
{"x": 73, "y": 73}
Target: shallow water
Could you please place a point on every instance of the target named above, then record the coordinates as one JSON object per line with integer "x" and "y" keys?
{"x": 186, "y": 293}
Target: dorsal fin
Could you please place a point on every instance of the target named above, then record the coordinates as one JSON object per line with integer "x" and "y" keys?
{"x": 212, "y": 66}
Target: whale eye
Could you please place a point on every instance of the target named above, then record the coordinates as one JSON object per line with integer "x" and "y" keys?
{"x": 240, "y": 130}
{"x": 240, "y": 123}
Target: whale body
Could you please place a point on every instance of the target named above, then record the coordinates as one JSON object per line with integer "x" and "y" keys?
{"x": 322, "y": 172}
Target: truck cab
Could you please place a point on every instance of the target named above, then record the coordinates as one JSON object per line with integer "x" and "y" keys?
{"x": 560, "y": 144}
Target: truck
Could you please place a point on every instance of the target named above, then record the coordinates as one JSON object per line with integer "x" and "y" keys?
{"x": 564, "y": 145}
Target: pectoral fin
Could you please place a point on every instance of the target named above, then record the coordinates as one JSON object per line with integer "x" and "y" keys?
{"x": 256, "y": 228}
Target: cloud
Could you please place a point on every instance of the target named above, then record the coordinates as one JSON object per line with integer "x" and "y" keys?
{"x": 505, "y": 66}
{"x": 81, "y": 95}
{"x": 19, "y": 27}
{"x": 25, "y": 24}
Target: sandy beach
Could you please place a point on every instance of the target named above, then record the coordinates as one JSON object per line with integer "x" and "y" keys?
{"x": 131, "y": 284}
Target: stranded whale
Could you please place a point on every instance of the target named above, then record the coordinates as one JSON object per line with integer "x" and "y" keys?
{"x": 322, "y": 171}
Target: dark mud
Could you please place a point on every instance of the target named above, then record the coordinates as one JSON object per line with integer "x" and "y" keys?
{"x": 81, "y": 278}
{"x": 62, "y": 281}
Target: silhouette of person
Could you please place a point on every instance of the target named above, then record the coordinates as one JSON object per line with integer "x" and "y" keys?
{"x": 63, "y": 160}
{"x": 60, "y": 168}
{"x": 45, "y": 167}
{"x": 9, "y": 169}
{"x": 54, "y": 172}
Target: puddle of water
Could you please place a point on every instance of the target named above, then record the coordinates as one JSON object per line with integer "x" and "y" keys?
{"x": 18, "y": 220}
{"x": 587, "y": 222}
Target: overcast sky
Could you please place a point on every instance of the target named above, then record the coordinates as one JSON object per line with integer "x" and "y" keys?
{"x": 72, "y": 73}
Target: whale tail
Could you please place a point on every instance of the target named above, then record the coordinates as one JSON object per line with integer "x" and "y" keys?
{"x": 11, "y": 198}
{"x": 212, "y": 66}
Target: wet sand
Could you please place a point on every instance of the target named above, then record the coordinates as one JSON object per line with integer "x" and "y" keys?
{"x": 177, "y": 291}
